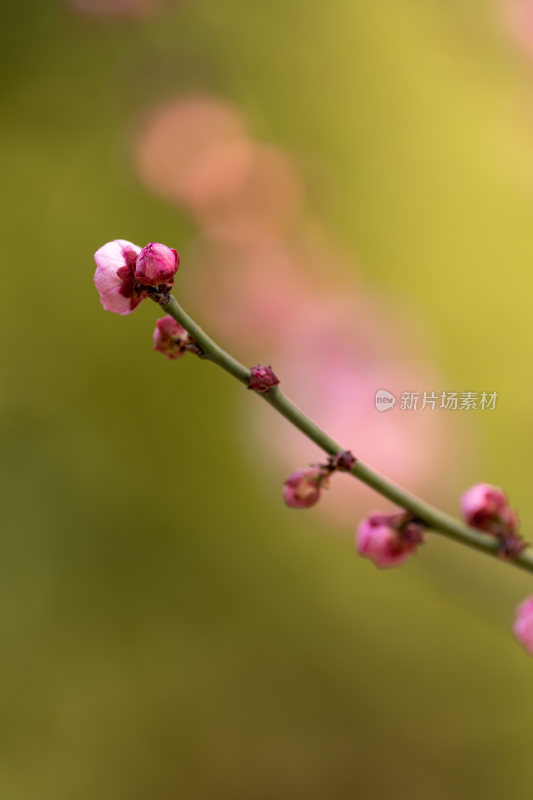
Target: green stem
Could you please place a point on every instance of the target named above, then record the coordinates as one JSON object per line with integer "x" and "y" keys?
{"x": 433, "y": 518}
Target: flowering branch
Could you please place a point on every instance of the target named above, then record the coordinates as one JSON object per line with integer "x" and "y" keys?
{"x": 430, "y": 516}
{"x": 126, "y": 275}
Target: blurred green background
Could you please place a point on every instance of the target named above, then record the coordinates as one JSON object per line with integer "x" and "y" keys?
{"x": 169, "y": 629}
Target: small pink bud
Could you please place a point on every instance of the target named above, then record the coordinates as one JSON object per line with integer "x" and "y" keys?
{"x": 262, "y": 379}
{"x": 388, "y": 540}
{"x": 483, "y": 506}
{"x": 302, "y": 488}
{"x": 170, "y": 338}
{"x": 523, "y": 624}
{"x": 486, "y": 507}
{"x": 115, "y": 276}
{"x": 157, "y": 265}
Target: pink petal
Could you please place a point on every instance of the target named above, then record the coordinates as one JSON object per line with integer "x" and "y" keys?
{"x": 113, "y": 300}
{"x": 110, "y": 258}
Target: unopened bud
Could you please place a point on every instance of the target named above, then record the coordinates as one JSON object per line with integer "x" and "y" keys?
{"x": 157, "y": 265}
{"x": 483, "y": 505}
{"x": 262, "y": 379}
{"x": 302, "y": 488}
{"x": 170, "y": 338}
{"x": 388, "y": 539}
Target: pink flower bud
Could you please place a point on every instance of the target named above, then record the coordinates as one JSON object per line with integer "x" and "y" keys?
{"x": 157, "y": 265}
{"x": 170, "y": 338}
{"x": 262, "y": 379}
{"x": 388, "y": 540}
{"x": 523, "y": 624}
{"x": 483, "y": 507}
{"x": 115, "y": 276}
{"x": 302, "y": 488}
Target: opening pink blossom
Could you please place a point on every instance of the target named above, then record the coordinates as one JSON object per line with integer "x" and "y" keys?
{"x": 114, "y": 278}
